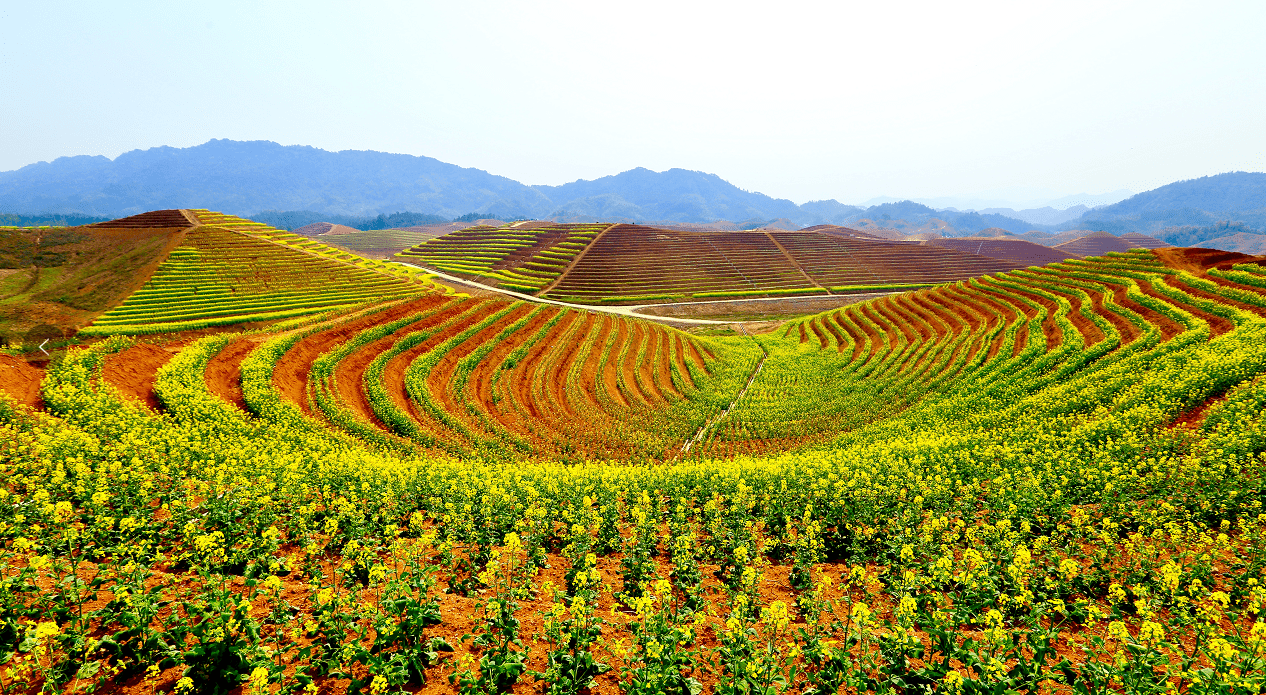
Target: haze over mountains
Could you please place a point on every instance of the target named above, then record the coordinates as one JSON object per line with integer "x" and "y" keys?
{"x": 249, "y": 178}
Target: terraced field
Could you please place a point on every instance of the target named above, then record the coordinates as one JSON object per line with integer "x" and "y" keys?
{"x": 627, "y": 263}
{"x": 519, "y": 258}
{"x": 241, "y": 272}
{"x": 1044, "y": 480}
{"x": 488, "y": 377}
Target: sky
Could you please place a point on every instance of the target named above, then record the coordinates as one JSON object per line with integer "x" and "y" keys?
{"x": 1003, "y": 101}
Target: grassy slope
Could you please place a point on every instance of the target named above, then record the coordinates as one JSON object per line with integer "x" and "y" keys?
{"x": 66, "y": 277}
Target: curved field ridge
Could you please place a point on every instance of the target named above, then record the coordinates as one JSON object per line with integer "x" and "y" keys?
{"x": 1041, "y": 481}
{"x": 242, "y": 272}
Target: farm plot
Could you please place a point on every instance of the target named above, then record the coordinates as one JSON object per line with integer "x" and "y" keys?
{"x": 1044, "y": 480}
{"x": 490, "y": 378}
{"x": 637, "y": 263}
{"x": 219, "y": 277}
{"x": 521, "y": 259}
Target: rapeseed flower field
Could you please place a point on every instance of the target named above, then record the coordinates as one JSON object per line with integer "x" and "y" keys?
{"x": 1044, "y": 481}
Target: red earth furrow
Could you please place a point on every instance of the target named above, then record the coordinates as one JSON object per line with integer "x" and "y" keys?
{"x": 629, "y": 364}
{"x": 349, "y": 374}
{"x": 1050, "y": 329}
{"x": 1177, "y": 283}
{"x": 1217, "y": 324}
{"x": 679, "y": 350}
{"x": 1090, "y": 332}
{"x": 132, "y": 371}
{"x": 697, "y": 353}
{"x": 558, "y": 371}
{"x": 591, "y": 376}
{"x": 394, "y": 371}
{"x": 439, "y": 381}
{"x": 819, "y": 333}
{"x": 996, "y": 317}
{"x": 520, "y": 383}
{"x": 854, "y": 334}
{"x": 644, "y": 358}
{"x": 663, "y": 372}
{"x": 223, "y": 374}
{"x": 290, "y": 374}
{"x": 871, "y": 347}
{"x": 1128, "y": 331}
{"x": 480, "y": 384}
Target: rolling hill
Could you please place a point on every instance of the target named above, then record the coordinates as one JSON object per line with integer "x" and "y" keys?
{"x": 625, "y": 263}
{"x": 1050, "y": 477}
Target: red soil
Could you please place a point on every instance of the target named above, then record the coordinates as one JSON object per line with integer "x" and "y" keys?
{"x": 589, "y": 372}
{"x": 611, "y": 370}
{"x": 1090, "y": 332}
{"x": 540, "y": 385}
{"x": 1198, "y": 261}
{"x": 349, "y": 374}
{"x": 480, "y": 385}
{"x": 663, "y": 374}
{"x": 20, "y": 380}
{"x": 290, "y": 375}
{"x": 132, "y": 372}
{"x": 393, "y": 372}
{"x": 680, "y": 359}
{"x": 637, "y": 366}
{"x": 558, "y": 369}
{"x": 819, "y": 333}
{"x": 223, "y": 375}
{"x": 439, "y": 380}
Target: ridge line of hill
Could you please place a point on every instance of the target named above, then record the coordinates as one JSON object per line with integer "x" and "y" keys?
{"x": 787, "y": 255}
{"x": 576, "y": 259}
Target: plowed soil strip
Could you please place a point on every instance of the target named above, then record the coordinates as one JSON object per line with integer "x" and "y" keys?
{"x": 1217, "y": 324}
{"x": 1090, "y": 331}
{"x": 645, "y": 357}
{"x": 630, "y": 363}
{"x": 21, "y": 381}
{"x": 1178, "y": 284}
{"x": 1021, "y": 339}
{"x": 132, "y": 372}
{"x": 349, "y": 375}
{"x": 393, "y": 373}
{"x": 1050, "y": 329}
{"x": 224, "y": 372}
{"x": 589, "y": 374}
{"x": 1128, "y": 331}
{"x": 481, "y": 376}
{"x": 440, "y": 380}
{"x": 290, "y": 375}
{"x": 819, "y": 333}
{"x": 697, "y": 354}
{"x": 663, "y": 365}
{"x": 611, "y": 370}
{"x": 559, "y": 370}
{"x": 532, "y": 381}
{"x": 679, "y": 348}
{"x": 854, "y": 331}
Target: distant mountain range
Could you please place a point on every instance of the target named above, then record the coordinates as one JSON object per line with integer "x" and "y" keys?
{"x": 298, "y": 185}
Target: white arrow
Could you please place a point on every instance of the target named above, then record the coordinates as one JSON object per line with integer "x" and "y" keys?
{"x": 42, "y": 346}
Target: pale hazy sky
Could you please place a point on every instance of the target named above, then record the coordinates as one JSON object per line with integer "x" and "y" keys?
{"x": 807, "y": 101}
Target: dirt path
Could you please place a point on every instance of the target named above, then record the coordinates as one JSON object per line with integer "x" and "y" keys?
{"x": 132, "y": 371}
{"x": 20, "y": 380}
